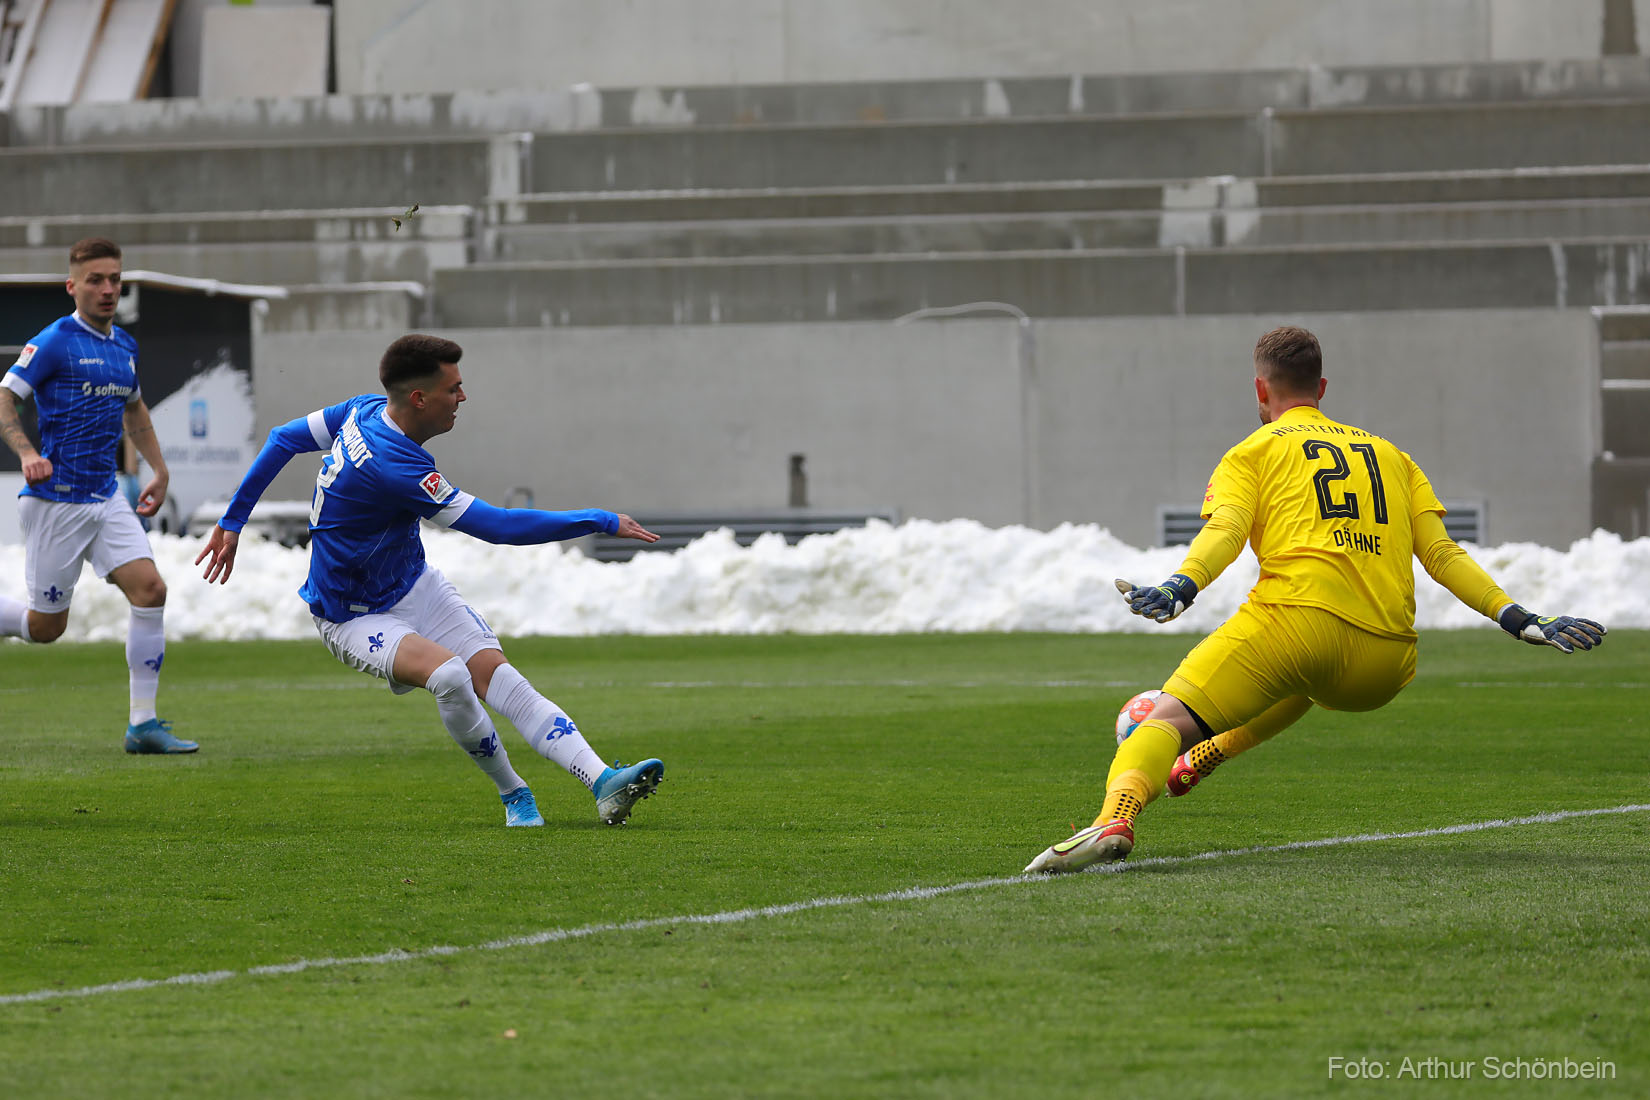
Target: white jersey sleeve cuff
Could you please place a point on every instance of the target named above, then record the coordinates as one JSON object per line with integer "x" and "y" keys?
{"x": 137, "y": 395}
{"x": 14, "y": 382}
{"x": 318, "y": 429}
{"x": 455, "y": 508}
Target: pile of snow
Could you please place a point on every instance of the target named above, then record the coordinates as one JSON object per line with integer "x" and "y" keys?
{"x": 919, "y": 576}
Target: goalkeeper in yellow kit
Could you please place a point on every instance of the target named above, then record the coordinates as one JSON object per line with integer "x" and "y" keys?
{"x": 1334, "y": 514}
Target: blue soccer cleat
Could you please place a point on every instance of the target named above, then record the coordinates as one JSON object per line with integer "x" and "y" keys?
{"x": 618, "y": 789}
{"x": 520, "y": 809}
{"x": 155, "y": 736}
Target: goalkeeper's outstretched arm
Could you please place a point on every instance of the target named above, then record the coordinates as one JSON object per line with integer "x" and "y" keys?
{"x": 1212, "y": 550}
{"x": 1451, "y": 566}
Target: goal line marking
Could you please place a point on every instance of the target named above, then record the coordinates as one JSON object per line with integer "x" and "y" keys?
{"x": 739, "y": 916}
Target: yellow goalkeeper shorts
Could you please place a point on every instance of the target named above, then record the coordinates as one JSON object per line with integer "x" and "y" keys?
{"x": 1270, "y": 652}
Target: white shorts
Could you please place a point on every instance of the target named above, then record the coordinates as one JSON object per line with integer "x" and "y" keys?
{"x": 433, "y": 609}
{"x": 58, "y": 538}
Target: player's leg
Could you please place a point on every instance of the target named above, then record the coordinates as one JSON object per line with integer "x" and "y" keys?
{"x": 421, "y": 661}
{"x": 1208, "y": 754}
{"x": 56, "y": 539}
{"x": 121, "y": 554}
{"x": 387, "y": 646}
{"x": 546, "y": 727}
{"x": 18, "y": 620}
{"x": 1229, "y": 678}
{"x": 550, "y": 731}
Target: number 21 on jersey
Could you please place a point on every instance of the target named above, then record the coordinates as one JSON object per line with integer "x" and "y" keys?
{"x": 1324, "y": 480}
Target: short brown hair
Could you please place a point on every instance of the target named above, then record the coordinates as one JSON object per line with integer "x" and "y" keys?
{"x": 1292, "y": 358}
{"x": 93, "y": 248}
{"x": 413, "y": 358}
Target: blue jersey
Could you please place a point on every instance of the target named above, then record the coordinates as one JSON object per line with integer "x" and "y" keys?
{"x": 374, "y": 486}
{"x": 81, "y": 381}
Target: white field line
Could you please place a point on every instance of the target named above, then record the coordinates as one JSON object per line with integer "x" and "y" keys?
{"x": 739, "y": 916}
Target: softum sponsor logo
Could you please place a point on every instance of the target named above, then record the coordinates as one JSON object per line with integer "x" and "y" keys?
{"x": 109, "y": 390}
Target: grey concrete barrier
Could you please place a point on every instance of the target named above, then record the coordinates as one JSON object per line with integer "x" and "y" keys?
{"x": 977, "y": 417}
{"x": 822, "y": 289}
{"x": 1526, "y": 274}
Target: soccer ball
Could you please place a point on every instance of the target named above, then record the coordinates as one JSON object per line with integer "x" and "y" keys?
{"x": 1134, "y": 712}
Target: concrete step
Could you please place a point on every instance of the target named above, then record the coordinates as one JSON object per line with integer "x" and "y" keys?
{"x": 331, "y": 174}
{"x": 1626, "y": 360}
{"x": 1043, "y": 196}
{"x": 1044, "y": 232}
{"x": 270, "y": 263}
{"x": 1332, "y": 278}
{"x": 1616, "y": 325}
{"x": 242, "y": 227}
{"x": 1283, "y": 143}
{"x": 252, "y": 177}
{"x": 480, "y": 113}
{"x": 986, "y": 151}
{"x": 277, "y": 247}
{"x": 1626, "y": 422}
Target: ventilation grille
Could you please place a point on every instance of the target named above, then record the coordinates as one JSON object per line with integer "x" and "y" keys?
{"x": 1464, "y": 521}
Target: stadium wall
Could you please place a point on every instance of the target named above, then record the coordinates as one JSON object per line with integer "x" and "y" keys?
{"x": 1098, "y": 421}
{"x": 393, "y": 46}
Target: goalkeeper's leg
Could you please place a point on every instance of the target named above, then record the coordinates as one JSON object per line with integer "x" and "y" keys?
{"x": 1204, "y": 757}
{"x": 1137, "y": 775}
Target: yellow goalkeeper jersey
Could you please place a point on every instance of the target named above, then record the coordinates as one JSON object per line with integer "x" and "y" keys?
{"x": 1331, "y": 513}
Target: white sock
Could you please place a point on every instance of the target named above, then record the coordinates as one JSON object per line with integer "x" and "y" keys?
{"x": 14, "y": 619}
{"x": 466, "y": 720}
{"x": 544, "y": 725}
{"x": 145, "y": 650}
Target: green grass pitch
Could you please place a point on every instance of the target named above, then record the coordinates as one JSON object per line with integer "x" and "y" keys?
{"x": 326, "y": 819}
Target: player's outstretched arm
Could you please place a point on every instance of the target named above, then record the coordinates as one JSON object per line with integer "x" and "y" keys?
{"x": 221, "y": 545}
{"x": 293, "y": 438}
{"x": 1452, "y": 567}
{"x": 531, "y": 526}
{"x": 1215, "y": 547}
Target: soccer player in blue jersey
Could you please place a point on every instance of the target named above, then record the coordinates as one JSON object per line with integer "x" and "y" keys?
{"x": 381, "y": 609}
{"x": 82, "y": 373}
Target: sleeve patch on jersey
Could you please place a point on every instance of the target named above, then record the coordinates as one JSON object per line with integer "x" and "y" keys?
{"x": 28, "y": 353}
{"x": 436, "y": 487}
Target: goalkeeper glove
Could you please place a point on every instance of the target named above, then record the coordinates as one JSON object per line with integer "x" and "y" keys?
{"x": 1562, "y": 632}
{"x": 1163, "y": 602}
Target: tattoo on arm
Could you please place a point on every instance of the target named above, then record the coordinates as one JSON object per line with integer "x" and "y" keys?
{"x": 11, "y": 426}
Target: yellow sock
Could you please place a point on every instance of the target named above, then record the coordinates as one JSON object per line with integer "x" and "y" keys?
{"x": 1205, "y": 757}
{"x": 1275, "y": 719}
{"x": 1139, "y": 770}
